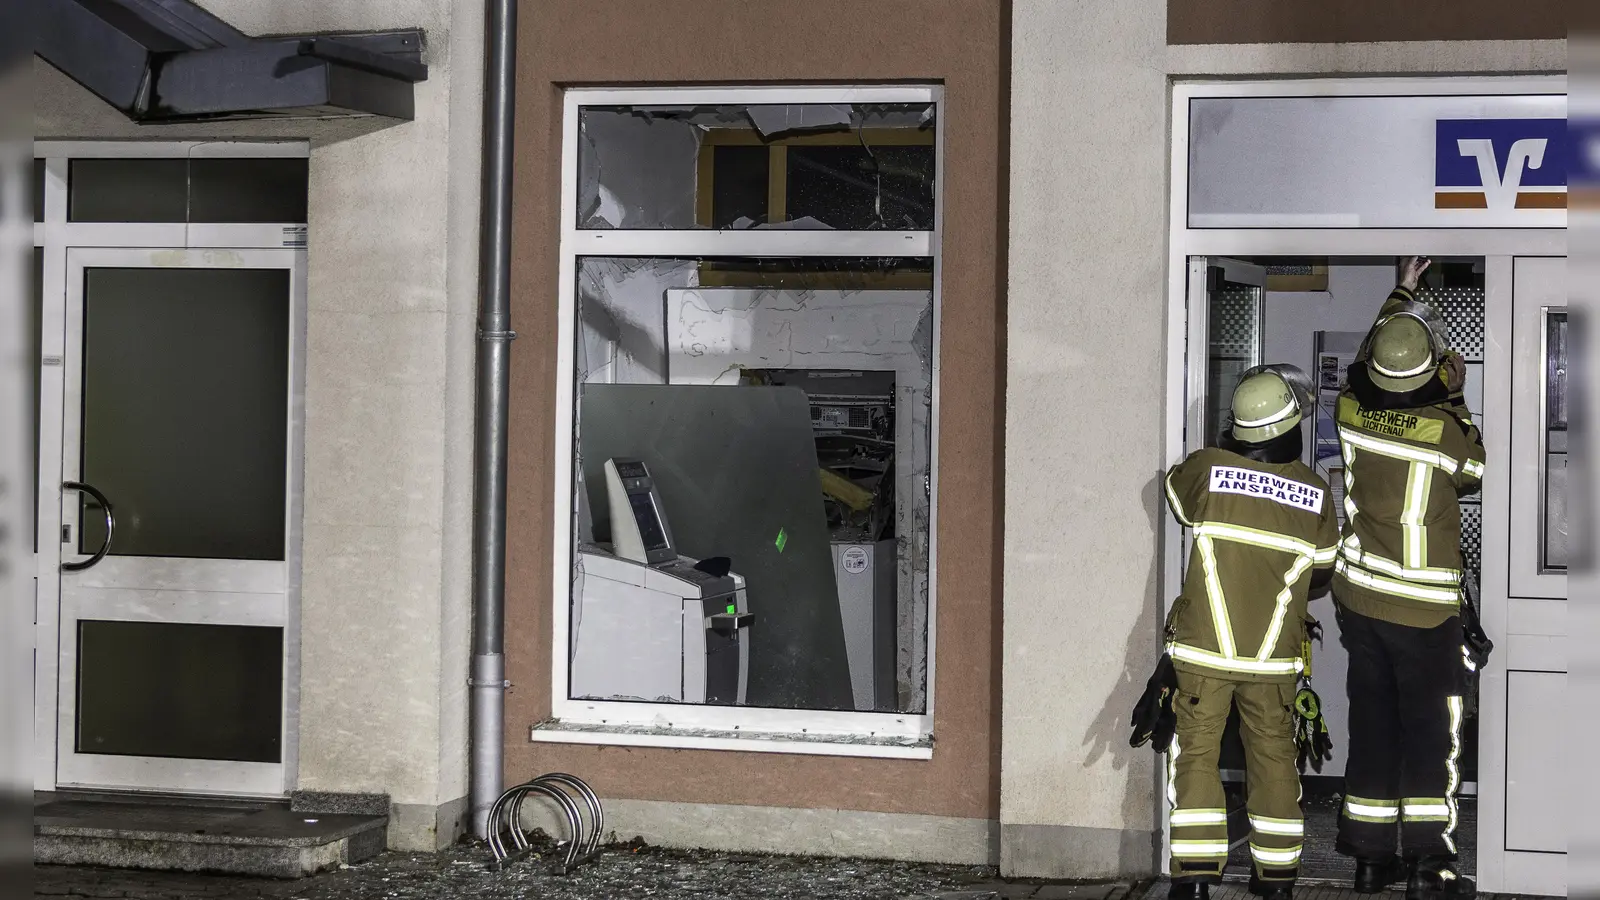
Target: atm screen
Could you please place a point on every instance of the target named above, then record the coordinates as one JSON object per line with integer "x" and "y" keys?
{"x": 631, "y": 470}
{"x": 650, "y": 531}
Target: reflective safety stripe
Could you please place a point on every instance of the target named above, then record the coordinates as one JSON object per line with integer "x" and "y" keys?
{"x": 1364, "y": 810}
{"x": 1271, "y": 540}
{"x": 1349, "y": 452}
{"x": 1279, "y": 416}
{"x": 1186, "y": 818}
{"x": 1466, "y": 659}
{"x": 1227, "y": 658}
{"x": 1285, "y": 827}
{"x": 1277, "y": 857}
{"x": 1172, "y": 772}
{"x": 1177, "y": 505}
{"x": 1222, "y": 663}
{"x": 1425, "y": 809}
{"x": 1219, "y": 603}
{"x": 1397, "y": 588}
{"x": 1454, "y": 772}
{"x": 1199, "y": 849}
{"x": 1399, "y": 451}
{"x": 1473, "y": 467}
{"x": 1270, "y": 641}
{"x": 1413, "y": 516}
{"x": 1326, "y": 555}
{"x": 1367, "y": 559}
{"x": 1417, "y": 370}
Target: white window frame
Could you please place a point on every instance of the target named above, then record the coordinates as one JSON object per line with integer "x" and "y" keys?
{"x": 1498, "y": 869}
{"x": 58, "y": 236}
{"x": 1529, "y": 462}
{"x": 824, "y": 732}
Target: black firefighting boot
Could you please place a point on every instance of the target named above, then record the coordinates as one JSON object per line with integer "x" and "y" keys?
{"x": 1439, "y": 878}
{"x": 1189, "y": 890}
{"x": 1271, "y": 890}
{"x": 1374, "y": 876}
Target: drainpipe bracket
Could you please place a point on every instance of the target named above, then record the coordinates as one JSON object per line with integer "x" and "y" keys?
{"x": 507, "y": 336}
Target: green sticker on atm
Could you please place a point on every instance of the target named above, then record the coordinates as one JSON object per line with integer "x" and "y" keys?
{"x": 732, "y": 609}
{"x": 783, "y": 539}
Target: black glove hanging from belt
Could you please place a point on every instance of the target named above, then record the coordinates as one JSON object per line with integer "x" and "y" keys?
{"x": 1311, "y": 738}
{"x": 1477, "y": 645}
{"x": 1154, "y": 722}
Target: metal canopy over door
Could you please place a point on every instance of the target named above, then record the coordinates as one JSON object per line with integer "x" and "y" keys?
{"x": 176, "y": 517}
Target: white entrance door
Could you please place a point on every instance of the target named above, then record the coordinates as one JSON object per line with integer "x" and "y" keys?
{"x": 172, "y": 517}
{"x": 1526, "y": 708}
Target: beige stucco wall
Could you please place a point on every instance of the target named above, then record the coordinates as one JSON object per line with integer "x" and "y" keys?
{"x": 385, "y": 604}
{"x": 1085, "y": 327}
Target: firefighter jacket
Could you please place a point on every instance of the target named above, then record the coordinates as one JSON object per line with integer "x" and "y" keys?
{"x": 1407, "y": 459}
{"x": 1259, "y": 530}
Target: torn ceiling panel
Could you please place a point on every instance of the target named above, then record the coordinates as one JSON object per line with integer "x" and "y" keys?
{"x": 776, "y": 119}
{"x": 171, "y": 61}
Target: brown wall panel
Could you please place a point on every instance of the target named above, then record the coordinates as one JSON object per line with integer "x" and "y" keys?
{"x": 1353, "y": 21}
{"x": 960, "y": 43}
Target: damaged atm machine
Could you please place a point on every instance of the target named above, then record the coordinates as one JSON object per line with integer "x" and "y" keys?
{"x": 705, "y": 570}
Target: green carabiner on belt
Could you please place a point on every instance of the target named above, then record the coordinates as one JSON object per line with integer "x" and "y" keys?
{"x": 1308, "y": 704}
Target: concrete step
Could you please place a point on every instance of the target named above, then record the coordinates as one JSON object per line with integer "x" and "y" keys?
{"x": 190, "y": 834}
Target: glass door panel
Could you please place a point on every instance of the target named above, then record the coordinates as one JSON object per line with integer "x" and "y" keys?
{"x": 1538, "y": 463}
{"x": 184, "y": 398}
{"x": 178, "y": 415}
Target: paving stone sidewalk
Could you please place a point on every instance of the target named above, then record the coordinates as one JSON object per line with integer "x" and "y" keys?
{"x": 619, "y": 873}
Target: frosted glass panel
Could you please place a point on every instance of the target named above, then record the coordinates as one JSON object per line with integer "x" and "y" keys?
{"x": 1234, "y": 346}
{"x": 1555, "y": 460}
{"x": 185, "y": 410}
{"x": 180, "y": 691}
{"x": 188, "y": 190}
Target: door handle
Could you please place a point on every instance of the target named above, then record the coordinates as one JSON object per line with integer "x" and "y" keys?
{"x": 111, "y": 525}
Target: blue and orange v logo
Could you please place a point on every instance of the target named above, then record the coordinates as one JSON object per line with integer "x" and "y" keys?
{"x": 1584, "y": 139}
{"x": 1500, "y": 164}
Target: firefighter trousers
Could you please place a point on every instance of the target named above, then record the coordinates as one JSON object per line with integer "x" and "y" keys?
{"x": 1199, "y": 820}
{"x": 1401, "y": 773}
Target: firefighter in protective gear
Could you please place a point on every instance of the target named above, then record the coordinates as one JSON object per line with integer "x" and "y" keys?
{"x": 1263, "y": 524}
{"x": 1410, "y": 450}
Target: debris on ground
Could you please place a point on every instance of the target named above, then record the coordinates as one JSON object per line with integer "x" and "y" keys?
{"x": 622, "y": 871}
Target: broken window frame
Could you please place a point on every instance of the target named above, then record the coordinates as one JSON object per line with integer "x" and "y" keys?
{"x": 778, "y": 194}
{"x": 817, "y": 732}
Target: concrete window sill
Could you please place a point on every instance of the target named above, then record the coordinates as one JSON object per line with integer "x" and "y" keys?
{"x": 806, "y": 743}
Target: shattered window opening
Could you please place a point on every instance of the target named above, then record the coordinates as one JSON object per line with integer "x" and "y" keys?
{"x": 868, "y": 167}
{"x": 849, "y": 341}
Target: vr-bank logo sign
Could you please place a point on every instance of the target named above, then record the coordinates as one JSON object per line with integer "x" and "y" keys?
{"x": 1501, "y": 164}
{"x": 1583, "y": 136}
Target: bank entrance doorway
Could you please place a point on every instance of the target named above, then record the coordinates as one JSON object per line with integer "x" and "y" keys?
{"x": 1283, "y": 253}
{"x": 168, "y": 347}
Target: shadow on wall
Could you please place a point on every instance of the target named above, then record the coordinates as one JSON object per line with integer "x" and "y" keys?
{"x": 1107, "y": 734}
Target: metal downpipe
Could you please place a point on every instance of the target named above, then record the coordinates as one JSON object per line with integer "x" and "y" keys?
{"x": 487, "y": 681}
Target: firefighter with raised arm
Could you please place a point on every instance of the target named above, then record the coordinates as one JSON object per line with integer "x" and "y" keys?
{"x": 1263, "y": 526}
{"x": 1410, "y": 450}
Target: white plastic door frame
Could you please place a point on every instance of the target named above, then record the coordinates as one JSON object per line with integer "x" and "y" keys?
{"x": 168, "y": 590}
